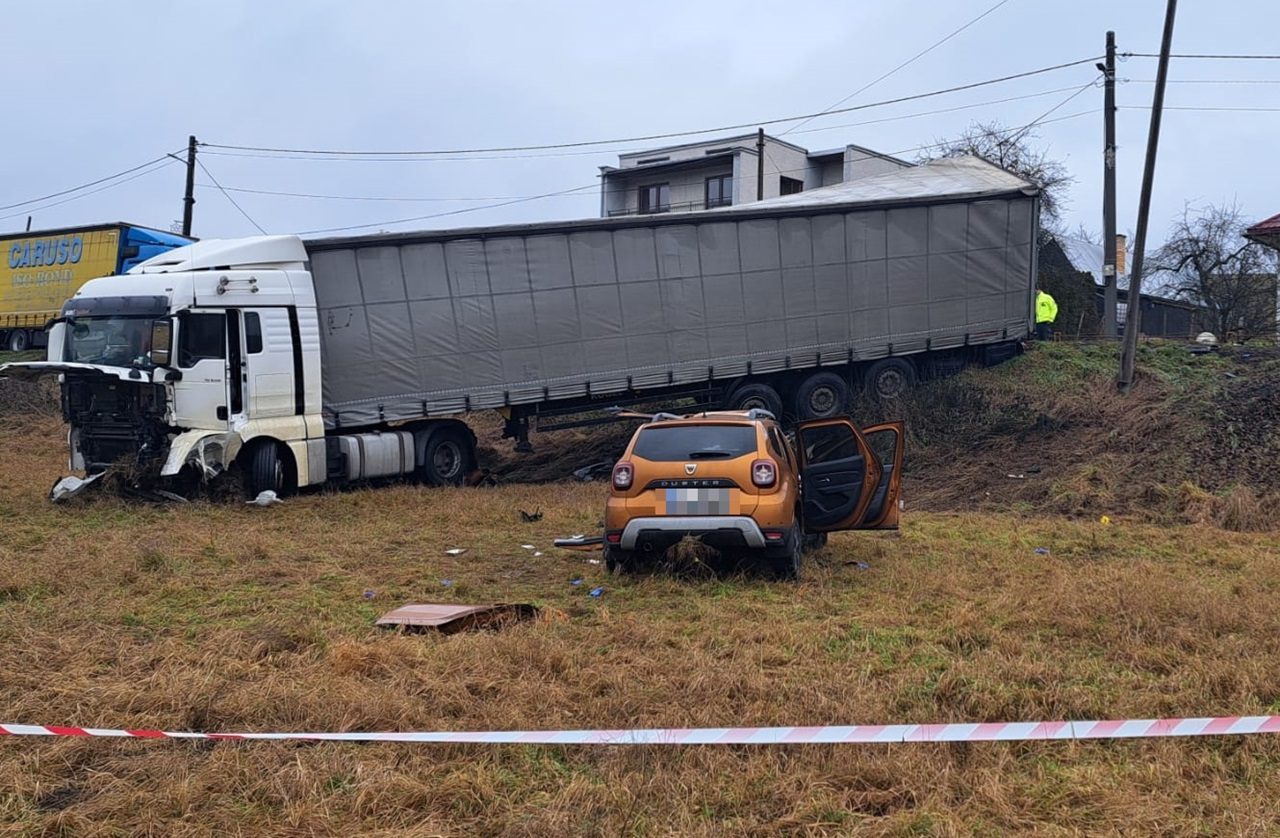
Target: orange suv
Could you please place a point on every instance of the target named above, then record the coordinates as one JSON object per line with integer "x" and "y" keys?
{"x": 738, "y": 483}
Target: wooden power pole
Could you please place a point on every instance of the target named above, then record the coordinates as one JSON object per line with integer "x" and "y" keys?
{"x": 1109, "y": 276}
{"x": 189, "y": 199}
{"x": 1133, "y": 316}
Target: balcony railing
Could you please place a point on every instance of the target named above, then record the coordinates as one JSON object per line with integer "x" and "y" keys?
{"x": 685, "y": 207}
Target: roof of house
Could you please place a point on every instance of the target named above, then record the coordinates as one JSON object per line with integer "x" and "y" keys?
{"x": 1266, "y": 232}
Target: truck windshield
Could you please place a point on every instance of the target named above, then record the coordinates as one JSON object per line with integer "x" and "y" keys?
{"x": 109, "y": 341}
{"x": 695, "y": 442}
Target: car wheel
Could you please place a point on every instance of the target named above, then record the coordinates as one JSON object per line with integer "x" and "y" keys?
{"x": 821, "y": 396}
{"x": 753, "y": 396}
{"x": 448, "y": 458}
{"x": 890, "y": 379}
{"x": 617, "y": 561}
{"x": 814, "y": 541}
{"x": 788, "y": 567}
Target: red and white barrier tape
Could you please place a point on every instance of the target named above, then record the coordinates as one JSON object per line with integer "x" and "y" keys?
{"x": 956, "y": 732}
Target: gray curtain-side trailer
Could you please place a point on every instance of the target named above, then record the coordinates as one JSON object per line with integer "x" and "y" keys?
{"x": 932, "y": 261}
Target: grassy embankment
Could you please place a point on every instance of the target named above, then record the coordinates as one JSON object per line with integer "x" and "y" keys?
{"x": 228, "y": 617}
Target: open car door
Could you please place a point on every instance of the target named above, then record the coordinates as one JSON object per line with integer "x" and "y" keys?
{"x": 849, "y": 478}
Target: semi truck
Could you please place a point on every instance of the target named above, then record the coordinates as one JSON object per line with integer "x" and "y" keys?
{"x": 348, "y": 359}
{"x": 41, "y": 269}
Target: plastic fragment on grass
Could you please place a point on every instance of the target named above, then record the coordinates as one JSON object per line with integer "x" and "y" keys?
{"x": 576, "y": 582}
{"x": 369, "y": 594}
{"x": 455, "y": 551}
{"x": 1105, "y": 520}
{"x": 597, "y": 592}
{"x": 1042, "y": 551}
{"x": 448, "y": 583}
{"x": 454, "y": 618}
{"x": 527, "y": 546}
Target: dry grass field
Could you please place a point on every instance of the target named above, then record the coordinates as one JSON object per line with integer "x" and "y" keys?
{"x": 230, "y": 617}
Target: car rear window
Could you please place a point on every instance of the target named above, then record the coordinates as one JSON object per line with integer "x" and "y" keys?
{"x": 695, "y": 442}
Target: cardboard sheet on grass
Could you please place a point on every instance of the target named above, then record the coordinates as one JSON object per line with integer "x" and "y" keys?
{"x": 450, "y": 619}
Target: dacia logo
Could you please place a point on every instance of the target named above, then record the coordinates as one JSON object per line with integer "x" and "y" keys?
{"x": 690, "y": 468}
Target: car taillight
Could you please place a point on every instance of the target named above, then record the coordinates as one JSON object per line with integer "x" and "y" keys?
{"x": 764, "y": 473}
{"x": 623, "y": 474}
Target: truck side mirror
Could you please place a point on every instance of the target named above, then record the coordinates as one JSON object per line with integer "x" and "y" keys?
{"x": 161, "y": 339}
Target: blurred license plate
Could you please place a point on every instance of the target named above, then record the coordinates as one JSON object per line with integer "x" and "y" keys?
{"x": 697, "y": 501}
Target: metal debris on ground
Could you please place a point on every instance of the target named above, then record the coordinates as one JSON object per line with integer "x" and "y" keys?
{"x": 531, "y": 517}
{"x": 450, "y": 619}
{"x": 69, "y": 487}
{"x": 1016, "y": 476}
{"x": 265, "y": 498}
{"x": 455, "y": 551}
{"x": 579, "y": 542}
{"x": 597, "y": 592}
{"x": 576, "y": 582}
{"x": 528, "y": 547}
{"x": 588, "y": 473}
{"x": 1042, "y": 551}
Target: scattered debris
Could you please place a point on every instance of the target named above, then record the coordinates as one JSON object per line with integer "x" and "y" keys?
{"x": 528, "y": 547}
{"x": 455, "y": 551}
{"x": 597, "y": 592}
{"x": 537, "y": 553}
{"x": 1042, "y": 551}
{"x": 1016, "y": 476}
{"x": 450, "y": 619}
{"x": 448, "y": 583}
{"x": 531, "y": 517}
{"x": 858, "y": 565}
{"x": 593, "y": 561}
{"x": 1105, "y": 520}
{"x": 575, "y": 582}
{"x": 369, "y": 594}
{"x": 590, "y": 472}
{"x": 580, "y": 542}
{"x": 265, "y": 498}
{"x": 69, "y": 487}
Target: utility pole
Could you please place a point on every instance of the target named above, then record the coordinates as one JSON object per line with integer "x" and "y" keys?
{"x": 759, "y": 164}
{"x": 1133, "y": 318}
{"x": 189, "y": 199}
{"x": 1109, "y": 276}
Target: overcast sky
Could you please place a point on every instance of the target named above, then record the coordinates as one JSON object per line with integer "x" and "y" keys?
{"x": 102, "y": 87}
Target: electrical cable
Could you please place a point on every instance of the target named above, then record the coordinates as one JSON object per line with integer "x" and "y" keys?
{"x": 227, "y": 194}
{"x": 1203, "y": 55}
{"x": 909, "y": 61}
{"x": 646, "y": 138}
{"x": 163, "y": 161}
{"x": 84, "y": 185}
{"x": 451, "y": 212}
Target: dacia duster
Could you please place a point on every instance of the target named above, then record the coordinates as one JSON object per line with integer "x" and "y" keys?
{"x": 738, "y": 483}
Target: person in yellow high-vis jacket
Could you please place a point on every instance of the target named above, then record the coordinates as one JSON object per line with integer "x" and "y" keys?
{"x": 1046, "y": 313}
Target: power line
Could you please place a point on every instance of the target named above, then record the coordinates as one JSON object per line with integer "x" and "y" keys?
{"x": 451, "y": 212}
{"x": 910, "y": 60}
{"x": 163, "y": 163}
{"x": 1200, "y": 108}
{"x": 1203, "y": 81}
{"x": 1042, "y": 116}
{"x": 392, "y": 198}
{"x": 84, "y": 185}
{"x": 227, "y": 194}
{"x": 646, "y": 138}
{"x": 1203, "y": 55}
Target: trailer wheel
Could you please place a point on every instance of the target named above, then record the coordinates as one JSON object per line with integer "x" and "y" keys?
{"x": 265, "y": 471}
{"x": 890, "y": 379}
{"x": 821, "y": 396}
{"x": 753, "y": 396}
{"x": 19, "y": 340}
{"x": 449, "y": 457}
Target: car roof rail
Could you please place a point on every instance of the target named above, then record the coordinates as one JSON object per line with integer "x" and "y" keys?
{"x": 659, "y": 417}
{"x": 760, "y": 413}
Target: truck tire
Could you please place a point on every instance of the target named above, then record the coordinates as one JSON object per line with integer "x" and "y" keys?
{"x": 265, "y": 471}
{"x": 890, "y": 379}
{"x": 448, "y": 458}
{"x": 821, "y": 396}
{"x": 19, "y": 340}
{"x": 754, "y": 395}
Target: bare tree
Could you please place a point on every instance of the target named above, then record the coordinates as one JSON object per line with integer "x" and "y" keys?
{"x": 1207, "y": 261}
{"x": 1011, "y": 150}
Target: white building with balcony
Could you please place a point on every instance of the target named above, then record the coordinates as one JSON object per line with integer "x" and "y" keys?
{"x": 726, "y": 171}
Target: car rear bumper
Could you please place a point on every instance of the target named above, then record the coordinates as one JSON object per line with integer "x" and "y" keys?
{"x": 716, "y": 530}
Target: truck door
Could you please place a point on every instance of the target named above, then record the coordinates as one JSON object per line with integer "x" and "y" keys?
{"x": 201, "y": 397}
{"x": 268, "y": 362}
{"x": 844, "y": 484}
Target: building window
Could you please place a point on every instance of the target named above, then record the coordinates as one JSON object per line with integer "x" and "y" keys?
{"x": 719, "y": 191}
{"x": 656, "y": 197}
{"x": 789, "y": 186}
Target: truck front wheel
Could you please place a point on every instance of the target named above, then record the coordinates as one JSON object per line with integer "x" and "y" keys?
{"x": 265, "y": 471}
{"x": 449, "y": 457}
